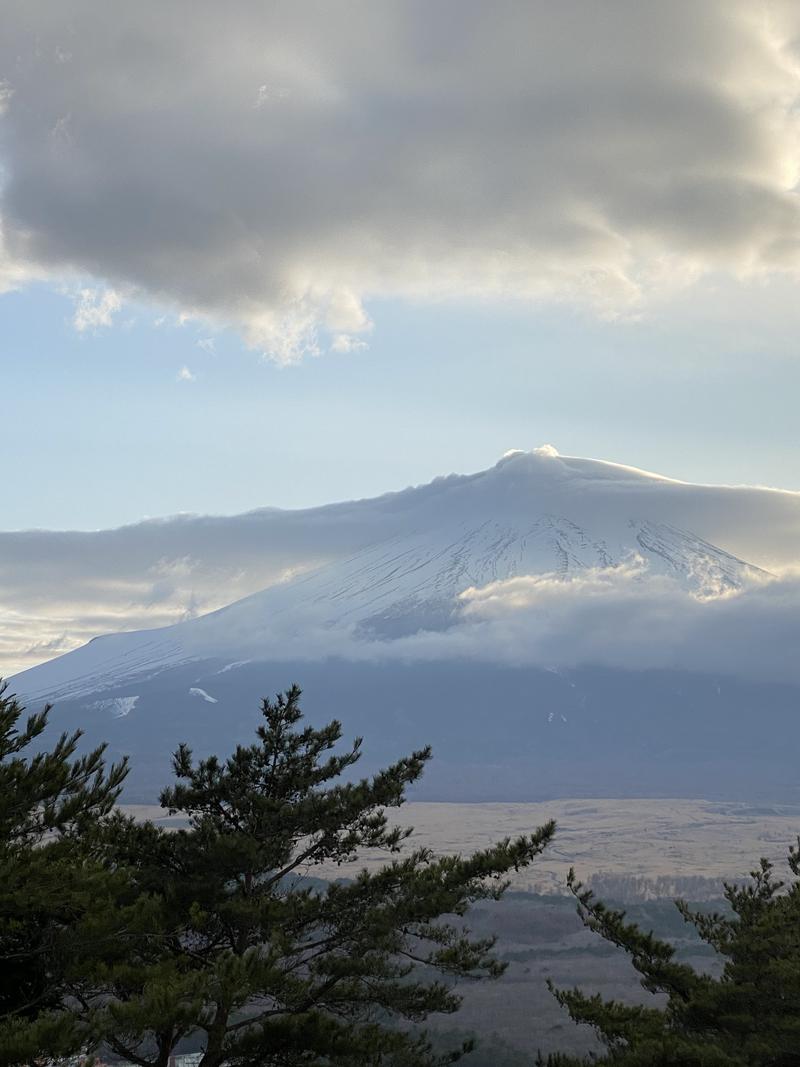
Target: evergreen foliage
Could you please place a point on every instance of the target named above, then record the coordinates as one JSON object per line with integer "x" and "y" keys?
{"x": 217, "y": 934}
{"x": 747, "y": 1017}
{"x": 49, "y": 802}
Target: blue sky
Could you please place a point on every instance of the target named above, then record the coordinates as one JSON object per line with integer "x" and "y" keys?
{"x": 103, "y": 431}
{"x": 259, "y": 255}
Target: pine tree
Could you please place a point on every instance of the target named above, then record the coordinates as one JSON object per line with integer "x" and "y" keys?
{"x": 49, "y": 803}
{"x": 748, "y": 1017}
{"x": 227, "y": 939}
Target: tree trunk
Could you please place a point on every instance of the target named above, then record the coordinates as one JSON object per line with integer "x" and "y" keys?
{"x": 213, "y": 1055}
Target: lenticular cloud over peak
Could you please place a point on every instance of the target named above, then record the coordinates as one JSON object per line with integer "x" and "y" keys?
{"x": 275, "y": 166}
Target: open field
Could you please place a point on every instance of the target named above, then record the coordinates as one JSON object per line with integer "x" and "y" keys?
{"x": 662, "y": 843}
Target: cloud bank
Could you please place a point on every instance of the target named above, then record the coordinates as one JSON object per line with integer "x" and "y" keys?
{"x": 625, "y": 618}
{"x": 275, "y": 166}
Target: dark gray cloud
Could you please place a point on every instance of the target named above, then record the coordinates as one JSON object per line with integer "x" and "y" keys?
{"x": 272, "y": 165}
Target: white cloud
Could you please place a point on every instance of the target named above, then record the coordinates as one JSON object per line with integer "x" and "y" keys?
{"x": 275, "y": 168}
{"x": 345, "y": 342}
{"x": 95, "y": 309}
{"x": 269, "y": 94}
{"x": 185, "y": 375}
{"x": 625, "y": 618}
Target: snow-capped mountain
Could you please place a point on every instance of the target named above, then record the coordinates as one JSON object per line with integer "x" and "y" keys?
{"x": 400, "y": 573}
{"x": 529, "y": 515}
{"x": 59, "y": 589}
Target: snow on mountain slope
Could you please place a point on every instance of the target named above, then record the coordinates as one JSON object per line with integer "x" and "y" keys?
{"x": 60, "y": 589}
{"x": 530, "y": 514}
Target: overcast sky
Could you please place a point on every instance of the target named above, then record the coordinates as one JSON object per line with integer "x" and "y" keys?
{"x": 290, "y": 253}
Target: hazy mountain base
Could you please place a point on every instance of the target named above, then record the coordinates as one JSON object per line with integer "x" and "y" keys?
{"x": 541, "y": 937}
{"x": 498, "y": 733}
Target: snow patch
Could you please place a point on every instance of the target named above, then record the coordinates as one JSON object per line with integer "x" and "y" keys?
{"x": 234, "y": 666}
{"x": 195, "y": 692}
{"x": 118, "y": 706}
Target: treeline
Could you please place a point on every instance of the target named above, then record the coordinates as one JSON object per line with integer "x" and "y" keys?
{"x": 631, "y": 888}
{"x": 127, "y": 938}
